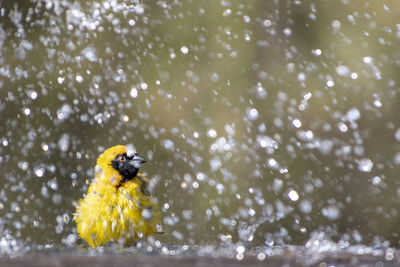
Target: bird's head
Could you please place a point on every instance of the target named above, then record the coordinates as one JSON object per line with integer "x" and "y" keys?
{"x": 120, "y": 161}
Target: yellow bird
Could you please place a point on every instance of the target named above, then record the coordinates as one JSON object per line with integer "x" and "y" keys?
{"x": 118, "y": 206}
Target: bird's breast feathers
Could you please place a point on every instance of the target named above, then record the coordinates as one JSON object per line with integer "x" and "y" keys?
{"x": 118, "y": 205}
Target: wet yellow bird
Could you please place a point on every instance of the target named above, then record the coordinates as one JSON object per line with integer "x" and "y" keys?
{"x": 118, "y": 206}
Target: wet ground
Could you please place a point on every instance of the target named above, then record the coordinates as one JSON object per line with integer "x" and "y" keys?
{"x": 211, "y": 256}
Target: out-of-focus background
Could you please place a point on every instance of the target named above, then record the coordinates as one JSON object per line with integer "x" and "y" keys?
{"x": 263, "y": 122}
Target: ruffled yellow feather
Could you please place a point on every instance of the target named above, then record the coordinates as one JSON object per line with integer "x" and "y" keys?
{"x": 114, "y": 212}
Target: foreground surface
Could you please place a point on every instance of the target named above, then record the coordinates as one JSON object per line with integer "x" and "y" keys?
{"x": 208, "y": 255}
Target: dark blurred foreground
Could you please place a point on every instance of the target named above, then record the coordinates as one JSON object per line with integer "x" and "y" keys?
{"x": 203, "y": 256}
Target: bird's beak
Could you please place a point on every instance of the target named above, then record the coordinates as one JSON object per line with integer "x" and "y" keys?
{"x": 137, "y": 161}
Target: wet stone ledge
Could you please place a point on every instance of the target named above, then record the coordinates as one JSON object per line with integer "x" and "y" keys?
{"x": 206, "y": 256}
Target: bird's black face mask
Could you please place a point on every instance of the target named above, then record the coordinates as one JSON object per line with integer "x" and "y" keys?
{"x": 127, "y": 166}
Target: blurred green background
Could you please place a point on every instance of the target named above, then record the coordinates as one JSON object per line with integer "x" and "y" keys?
{"x": 263, "y": 122}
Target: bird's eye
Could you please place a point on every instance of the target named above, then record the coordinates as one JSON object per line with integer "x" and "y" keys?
{"x": 122, "y": 158}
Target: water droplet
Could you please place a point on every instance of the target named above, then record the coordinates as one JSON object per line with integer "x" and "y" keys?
{"x": 267, "y": 23}
{"x": 230, "y": 129}
{"x": 79, "y": 78}
{"x": 272, "y": 163}
{"x": 34, "y": 95}
{"x": 60, "y": 80}
{"x": 63, "y": 142}
{"x": 53, "y": 184}
{"x": 317, "y": 52}
{"x": 305, "y": 135}
{"x": 184, "y": 50}
{"x": 287, "y": 31}
{"x": 261, "y": 92}
{"x": 396, "y": 158}
{"x": 227, "y": 12}
{"x": 331, "y": 212}
{"x": 132, "y": 22}
{"x": 23, "y": 165}
{"x": 212, "y": 133}
{"x": 240, "y": 249}
{"x": 266, "y": 142}
{"x": 262, "y": 127}
{"x": 201, "y": 176}
{"x": 70, "y": 240}
{"x": 177, "y": 235}
{"x": 376, "y": 180}
{"x": 342, "y": 127}
{"x": 39, "y": 172}
{"x": 365, "y": 165}
{"x": 27, "y": 111}
{"x": 221, "y": 145}
{"x": 378, "y": 103}
{"x": 354, "y": 76}
{"x": 214, "y": 77}
{"x": 134, "y": 93}
{"x": 168, "y": 144}
{"x": 336, "y": 25}
{"x": 64, "y": 112}
{"x": 215, "y": 163}
{"x": 293, "y": 196}
{"x": 307, "y": 96}
{"x": 296, "y": 123}
{"x": 239, "y": 256}
{"x": 342, "y": 70}
{"x": 301, "y": 77}
{"x": 144, "y": 86}
{"x": 353, "y": 114}
{"x": 261, "y": 256}
{"x": 5, "y": 142}
{"x": 147, "y": 214}
{"x": 305, "y": 206}
{"x": 368, "y": 60}
{"x": 325, "y": 147}
{"x": 90, "y": 54}
{"x": 220, "y": 188}
{"x": 330, "y": 83}
{"x": 252, "y": 114}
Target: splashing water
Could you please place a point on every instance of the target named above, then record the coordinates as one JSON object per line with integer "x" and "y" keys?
{"x": 264, "y": 124}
